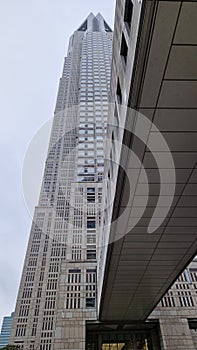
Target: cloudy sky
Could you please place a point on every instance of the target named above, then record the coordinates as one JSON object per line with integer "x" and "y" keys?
{"x": 34, "y": 39}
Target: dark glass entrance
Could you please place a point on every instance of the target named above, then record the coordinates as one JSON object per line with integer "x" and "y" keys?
{"x": 127, "y": 342}
{"x": 112, "y": 337}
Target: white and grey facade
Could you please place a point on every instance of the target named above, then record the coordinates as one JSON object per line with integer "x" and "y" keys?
{"x": 153, "y": 130}
{"x": 177, "y": 312}
{"x": 147, "y": 242}
{"x": 72, "y": 294}
{"x": 172, "y": 325}
{"x": 58, "y": 286}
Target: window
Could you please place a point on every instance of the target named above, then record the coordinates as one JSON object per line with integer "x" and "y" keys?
{"x": 90, "y": 194}
{"x": 100, "y": 169}
{"x": 90, "y": 295}
{"x": 91, "y": 224}
{"x": 99, "y": 138}
{"x": 124, "y": 51}
{"x": 128, "y": 14}
{"x": 73, "y": 289}
{"x": 185, "y": 299}
{"x": 90, "y": 302}
{"x": 91, "y": 199}
{"x": 91, "y": 254}
{"x": 90, "y": 190}
{"x": 91, "y": 239}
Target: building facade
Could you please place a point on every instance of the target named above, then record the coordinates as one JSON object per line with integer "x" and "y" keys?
{"x": 171, "y": 326}
{"x": 177, "y": 312}
{"x": 58, "y": 285}
{"x": 148, "y": 243}
{"x": 152, "y": 157}
{"x": 6, "y": 330}
{"x": 60, "y": 303}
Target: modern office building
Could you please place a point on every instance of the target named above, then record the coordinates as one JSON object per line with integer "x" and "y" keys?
{"x": 102, "y": 254}
{"x": 152, "y": 230}
{"x": 6, "y": 330}
{"x": 171, "y": 326}
{"x": 152, "y": 224}
{"x": 60, "y": 265}
{"x": 177, "y": 312}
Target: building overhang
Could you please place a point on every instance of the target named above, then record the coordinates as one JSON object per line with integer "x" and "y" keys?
{"x": 142, "y": 265}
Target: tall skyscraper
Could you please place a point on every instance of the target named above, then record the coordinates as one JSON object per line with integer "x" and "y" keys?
{"x": 60, "y": 263}
{"x": 5, "y": 330}
{"x": 64, "y": 302}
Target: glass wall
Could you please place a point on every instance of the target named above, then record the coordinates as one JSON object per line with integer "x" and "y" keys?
{"x": 132, "y": 340}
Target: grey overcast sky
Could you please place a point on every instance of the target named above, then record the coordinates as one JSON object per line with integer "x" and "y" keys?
{"x": 34, "y": 39}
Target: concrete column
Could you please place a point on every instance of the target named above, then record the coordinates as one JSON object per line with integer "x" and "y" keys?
{"x": 175, "y": 334}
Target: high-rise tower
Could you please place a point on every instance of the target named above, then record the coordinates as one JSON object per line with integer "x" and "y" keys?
{"x": 5, "y": 330}
{"x": 60, "y": 265}
{"x": 56, "y": 306}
